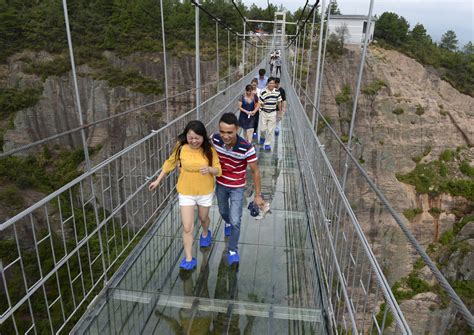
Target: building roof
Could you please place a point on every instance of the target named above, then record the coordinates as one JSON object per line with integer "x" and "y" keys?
{"x": 351, "y": 17}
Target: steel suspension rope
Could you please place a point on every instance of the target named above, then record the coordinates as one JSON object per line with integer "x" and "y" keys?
{"x": 461, "y": 307}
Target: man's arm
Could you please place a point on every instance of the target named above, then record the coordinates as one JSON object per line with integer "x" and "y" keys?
{"x": 256, "y": 179}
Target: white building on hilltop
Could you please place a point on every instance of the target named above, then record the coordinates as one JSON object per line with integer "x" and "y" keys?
{"x": 356, "y": 27}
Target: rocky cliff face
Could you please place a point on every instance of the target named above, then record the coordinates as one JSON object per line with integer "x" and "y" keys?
{"x": 56, "y": 111}
{"x": 412, "y": 116}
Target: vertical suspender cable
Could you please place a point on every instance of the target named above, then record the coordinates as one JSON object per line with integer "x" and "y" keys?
{"x": 296, "y": 57}
{"x": 310, "y": 55}
{"x": 228, "y": 55}
{"x": 356, "y": 97}
{"x": 83, "y": 135}
{"x": 316, "y": 84}
{"x": 198, "y": 61}
{"x": 76, "y": 87}
{"x": 217, "y": 54}
{"x": 236, "y": 52}
{"x": 302, "y": 59}
{"x": 164, "y": 61}
{"x": 243, "y": 48}
{"x": 318, "y": 101}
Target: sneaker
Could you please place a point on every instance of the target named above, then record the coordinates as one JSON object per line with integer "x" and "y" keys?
{"x": 232, "y": 257}
{"x": 185, "y": 265}
{"x": 262, "y": 141}
{"x": 277, "y": 132}
{"x": 255, "y": 136}
{"x": 205, "y": 241}
{"x": 227, "y": 229}
{"x": 268, "y": 148}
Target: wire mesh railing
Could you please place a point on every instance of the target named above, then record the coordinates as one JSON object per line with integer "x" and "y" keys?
{"x": 401, "y": 247}
{"x": 359, "y": 298}
{"x": 66, "y": 247}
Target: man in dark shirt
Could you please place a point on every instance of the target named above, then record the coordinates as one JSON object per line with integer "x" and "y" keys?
{"x": 283, "y": 105}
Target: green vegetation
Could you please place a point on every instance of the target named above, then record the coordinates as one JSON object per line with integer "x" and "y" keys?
{"x": 381, "y": 314}
{"x": 344, "y": 96}
{"x": 408, "y": 287}
{"x": 322, "y": 124}
{"x": 426, "y": 152}
{"x": 466, "y": 168}
{"x": 130, "y": 78}
{"x": 411, "y": 213}
{"x": 371, "y": 90}
{"x": 10, "y": 196}
{"x": 398, "y": 111}
{"x": 374, "y": 87}
{"x": 123, "y": 27}
{"x": 420, "y": 110}
{"x": 13, "y": 100}
{"x": 45, "y": 172}
{"x": 453, "y": 65}
{"x": 435, "y": 211}
{"x": 447, "y": 155}
{"x": 439, "y": 176}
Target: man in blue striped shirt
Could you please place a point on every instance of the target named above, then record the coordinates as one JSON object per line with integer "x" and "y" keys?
{"x": 270, "y": 99}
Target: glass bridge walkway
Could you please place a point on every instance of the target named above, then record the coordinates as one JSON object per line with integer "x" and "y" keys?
{"x": 274, "y": 289}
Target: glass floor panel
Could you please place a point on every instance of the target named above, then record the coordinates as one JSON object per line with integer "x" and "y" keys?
{"x": 274, "y": 289}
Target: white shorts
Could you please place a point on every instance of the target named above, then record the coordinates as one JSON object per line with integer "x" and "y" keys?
{"x": 200, "y": 200}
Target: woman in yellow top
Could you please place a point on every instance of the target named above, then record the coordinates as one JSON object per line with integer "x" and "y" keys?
{"x": 198, "y": 163}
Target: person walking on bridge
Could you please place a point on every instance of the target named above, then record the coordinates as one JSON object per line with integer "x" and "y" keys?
{"x": 235, "y": 153}
{"x": 248, "y": 106}
{"x": 278, "y": 65}
{"x": 270, "y": 106}
{"x": 256, "y": 91}
{"x": 262, "y": 79}
{"x": 283, "y": 106}
{"x": 198, "y": 163}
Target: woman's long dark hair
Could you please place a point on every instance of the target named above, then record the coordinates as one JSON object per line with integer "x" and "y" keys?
{"x": 199, "y": 129}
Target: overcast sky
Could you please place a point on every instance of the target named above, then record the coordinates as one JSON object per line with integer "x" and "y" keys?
{"x": 437, "y": 16}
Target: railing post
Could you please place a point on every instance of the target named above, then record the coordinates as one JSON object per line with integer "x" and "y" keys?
{"x": 198, "y": 61}
{"x": 243, "y": 48}
{"x": 314, "y": 117}
{"x": 217, "y": 54}
{"x": 76, "y": 86}
{"x": 164, "y": 61}
{"x": 310, "y": 55}
{"x": 228, "y": 55}
{"x": 324, "y": 56}
{"x": 83, "y": 135}
{"x": 356, "y": 97}
{"x": 302, "y": 59}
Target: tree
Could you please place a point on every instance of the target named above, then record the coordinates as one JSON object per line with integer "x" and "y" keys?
{"x": 468, "y": 48}
{"x": 342, "y": 33}
{"x": 392, "y": 28}
{"x": 333, "y": 8}
{"x": 418, "y": 34}
{"x": 449, "y": 41}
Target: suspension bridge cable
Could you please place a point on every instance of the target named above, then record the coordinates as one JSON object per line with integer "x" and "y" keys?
{"x": 293, "y": 39}
{"x": 252, "y": 28}
{"x": 460, "y": 306}
{"x": 220, "y": 22}
{"x": 302, "y": 12}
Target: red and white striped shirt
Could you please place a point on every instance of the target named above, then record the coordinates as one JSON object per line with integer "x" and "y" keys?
{"x": 234, "y": 160}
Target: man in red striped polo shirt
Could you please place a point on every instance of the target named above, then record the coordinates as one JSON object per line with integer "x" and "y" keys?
{"x": 235, "y": 153}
